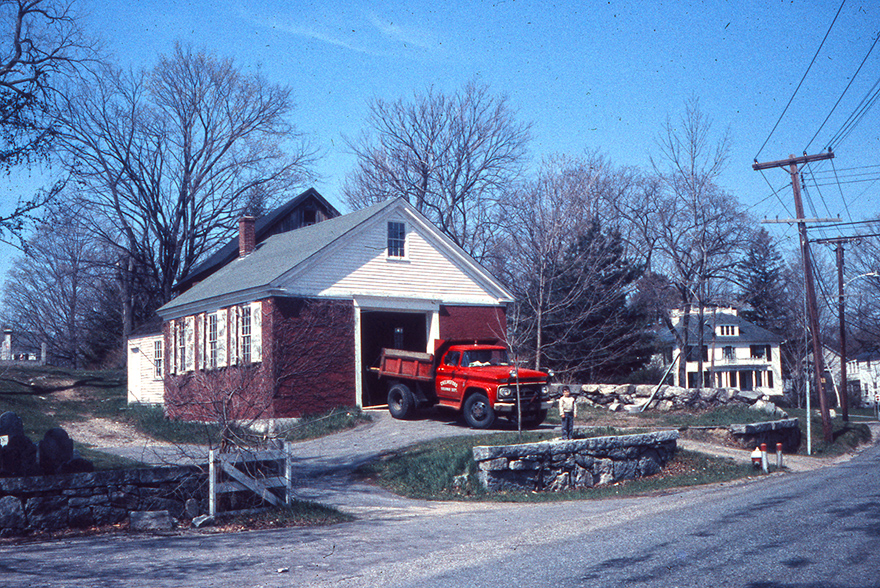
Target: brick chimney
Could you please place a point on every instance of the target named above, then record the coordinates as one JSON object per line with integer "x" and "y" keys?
{"x": 246, "y": 237}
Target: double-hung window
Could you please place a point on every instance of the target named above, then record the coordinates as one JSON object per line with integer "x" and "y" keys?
{"x": 157, "y": 359}
{"x": 212, "y": 341}
{"x": 245, "y": 330}
{"x": 396, "y": 240}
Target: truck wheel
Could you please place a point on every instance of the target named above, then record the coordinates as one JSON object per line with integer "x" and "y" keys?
{"x": 400, "y": 401}
{"x": 478, "y": 412}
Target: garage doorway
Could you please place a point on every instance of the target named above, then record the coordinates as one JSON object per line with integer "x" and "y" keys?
{"x": 396, "y": 330}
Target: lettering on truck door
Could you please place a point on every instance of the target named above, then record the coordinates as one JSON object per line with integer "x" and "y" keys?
{"x": 447, "y": 377}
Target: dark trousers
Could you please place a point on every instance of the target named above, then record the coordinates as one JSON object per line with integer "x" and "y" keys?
{"x": 567, "y": 424}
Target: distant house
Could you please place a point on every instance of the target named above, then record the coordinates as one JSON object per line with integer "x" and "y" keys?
{"x": 306, "y": 313}
{"x": 735, "y": 353}
{"x": 863, "y": 374}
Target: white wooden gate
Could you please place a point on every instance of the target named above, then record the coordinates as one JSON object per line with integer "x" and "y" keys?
{"x": 240, "y": 471}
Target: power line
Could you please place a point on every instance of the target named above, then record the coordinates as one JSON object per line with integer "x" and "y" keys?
{"x": 857, "y": 115}
{"x": 851, "y": 80}
{"x": 802, "y": 80}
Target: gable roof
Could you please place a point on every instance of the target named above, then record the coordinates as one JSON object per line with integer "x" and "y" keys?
{"x": 262, "y": 272}
{"x": 749, "y": 332}
{"x": 264, "y": 227}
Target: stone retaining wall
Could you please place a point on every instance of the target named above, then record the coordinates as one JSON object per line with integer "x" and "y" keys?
{"x": 45, "y": 503}
{"x": 579, "y": 463}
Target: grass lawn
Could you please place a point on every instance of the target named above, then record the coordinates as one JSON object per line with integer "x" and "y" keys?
{"x": 429, "y": 470}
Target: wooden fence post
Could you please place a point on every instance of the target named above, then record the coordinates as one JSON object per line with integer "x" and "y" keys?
{"x": 212, "y": 484}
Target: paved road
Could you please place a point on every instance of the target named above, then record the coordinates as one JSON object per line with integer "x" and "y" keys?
{"x": 818, "y": 528}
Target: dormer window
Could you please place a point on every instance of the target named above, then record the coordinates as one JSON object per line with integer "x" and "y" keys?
{"x": 396, "y": 240}
{"x": 728, "y": 330}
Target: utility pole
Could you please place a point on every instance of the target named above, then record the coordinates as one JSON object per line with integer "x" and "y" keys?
{"x": 844, "y": 396}
{"x": 792, "y": 163}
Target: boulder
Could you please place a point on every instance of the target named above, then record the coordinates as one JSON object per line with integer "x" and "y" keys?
{"x": 12, "y": 518}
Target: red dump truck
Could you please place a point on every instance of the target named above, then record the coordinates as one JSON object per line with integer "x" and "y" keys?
{"x": 476, "y": 379}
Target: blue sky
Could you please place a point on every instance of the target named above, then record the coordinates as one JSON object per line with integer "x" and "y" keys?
{"x": 587, "y": 75}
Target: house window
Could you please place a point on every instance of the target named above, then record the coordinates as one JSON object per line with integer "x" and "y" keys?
{"x": 396, "y": 239}
{"x": 245, "y": 330}
{"x": 728, "y": 330}
{"x": 180, "y": 342}
{"x": 760, "y": 351}
{"x": 212, "y": 341}
{"x": 769, "y": 379}
{"x": 728, "y": 352}
{"x": 157, "y": 359}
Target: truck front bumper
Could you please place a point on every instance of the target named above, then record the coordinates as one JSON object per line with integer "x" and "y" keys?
{"x": 510, "y": 407}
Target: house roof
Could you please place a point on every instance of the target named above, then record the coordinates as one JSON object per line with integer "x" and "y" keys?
{"x": 260, "y": 273}
{"x": 264, "y": 227}
{"x": 749, "y": 333}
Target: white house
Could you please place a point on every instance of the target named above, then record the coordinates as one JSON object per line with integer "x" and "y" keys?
{"x": 736, "y": 353}
{"x": 863, "y": 373}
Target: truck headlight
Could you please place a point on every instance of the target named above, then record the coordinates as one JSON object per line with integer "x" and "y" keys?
{"x": 505, "y": 392}
{"x": 545, "y": 391}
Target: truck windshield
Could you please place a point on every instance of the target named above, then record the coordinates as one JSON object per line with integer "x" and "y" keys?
{"x": 484, "y": 357}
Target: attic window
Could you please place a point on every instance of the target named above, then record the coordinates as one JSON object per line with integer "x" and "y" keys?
{"x": 396, "y": 239}
{"x": 728, "y": 330}
{"x": 309, "y": 216}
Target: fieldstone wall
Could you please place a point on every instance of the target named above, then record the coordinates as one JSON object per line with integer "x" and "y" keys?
{"x": 579, "y": 463}
{"x": 46, "y": 503}
{"x": 631, "y": 398}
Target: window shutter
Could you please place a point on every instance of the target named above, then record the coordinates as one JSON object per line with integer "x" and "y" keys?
{"x": 172, "y": 338}
{"x": 221, "y": 338}
{"x": 234, "y": 334}
{"x": 256, "y": 331}
{"x": 189, "y": 339}
{"x": 202, "y": 339}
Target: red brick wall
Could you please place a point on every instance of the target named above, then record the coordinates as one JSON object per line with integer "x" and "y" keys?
{"x": 308, "y": 367}
{"x": 473, "y": 322}
{"x": 314, "y": 356}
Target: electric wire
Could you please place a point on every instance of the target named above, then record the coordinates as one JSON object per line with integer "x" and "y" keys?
{"x": 842, "y": 94}
{"x": 856, "y": 116}
{"x": 790, "y": 100}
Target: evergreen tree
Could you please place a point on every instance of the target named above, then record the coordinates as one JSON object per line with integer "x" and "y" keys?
{"x": 598, "y": 335}
{"x": 763, "y": 290}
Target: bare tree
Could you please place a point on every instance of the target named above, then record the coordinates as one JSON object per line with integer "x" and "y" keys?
{"x": 699, "y": 230}
{"x": 450, "y": 156}
{"x": 53, "y": 290}
{"x": 170, "y": 158}
{"x": 41, "y": 45}
{"x": 571, "y": 276}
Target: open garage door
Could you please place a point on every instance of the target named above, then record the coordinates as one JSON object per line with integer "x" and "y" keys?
{"x": 397, "y": 330}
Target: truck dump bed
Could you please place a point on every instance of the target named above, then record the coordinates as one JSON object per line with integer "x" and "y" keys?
{"x": 410, "y": 365}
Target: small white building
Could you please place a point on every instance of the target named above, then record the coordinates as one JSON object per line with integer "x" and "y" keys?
{"x": 145, "y": 376}
{"x": 863, "y": 374}
{"x": 735, "y": 353}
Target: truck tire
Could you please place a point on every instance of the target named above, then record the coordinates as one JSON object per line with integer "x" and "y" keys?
{"x": 401, "y": 403}
{"x": 478, "y": 412}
